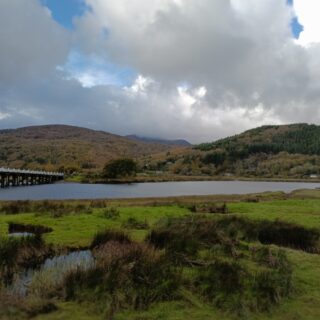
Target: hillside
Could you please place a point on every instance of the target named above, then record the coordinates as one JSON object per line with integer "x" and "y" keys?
{"x": 54, "y": 147}
{"x": 286, "y": 151}
{"x": 295, "y": 139}
{"x": 177, "y": 142}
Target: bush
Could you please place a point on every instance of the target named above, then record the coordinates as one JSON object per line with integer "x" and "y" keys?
{"x": 110, "y": 213}
{"x": 22, "y": 206}
{"x": 127, "y": 275}
{"x": 105, "y": 236}
{"x": 31, "y": 228}
{"x": 20, "y": 252}
{"x": 289, "y": 235}
{"x": 220, "y": 279}
{"x": 98, "y": 204}
{"x": 133, "y": 223}
{"x": 120, "y": 168}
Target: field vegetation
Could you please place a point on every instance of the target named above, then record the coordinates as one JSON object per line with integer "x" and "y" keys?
{"x": 218, "y": 257}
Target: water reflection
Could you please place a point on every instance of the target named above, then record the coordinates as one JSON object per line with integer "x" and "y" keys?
{"x": 52, "y": 270}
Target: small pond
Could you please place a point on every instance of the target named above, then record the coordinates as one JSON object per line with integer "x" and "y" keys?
{"x": 52, "y": 270}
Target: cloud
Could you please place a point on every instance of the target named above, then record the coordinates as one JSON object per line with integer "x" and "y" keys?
{"x": 176, "y": 69}
{"x": 307, "y": 11}
{"x": 32, "y": 44}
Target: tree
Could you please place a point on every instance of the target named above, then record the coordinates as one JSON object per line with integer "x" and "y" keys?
{"x": 119, "y": 168}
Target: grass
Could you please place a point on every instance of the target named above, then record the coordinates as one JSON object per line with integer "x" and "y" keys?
{"x": 71, "y": 310}
{"x": 79, "y": 229}
{"x": 303, "y": 212}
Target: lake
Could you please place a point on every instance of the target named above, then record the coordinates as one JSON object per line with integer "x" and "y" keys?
{"x": 145, "y": 190}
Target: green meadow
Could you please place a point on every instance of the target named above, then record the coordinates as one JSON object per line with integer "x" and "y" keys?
{"x": 76, "y": 229}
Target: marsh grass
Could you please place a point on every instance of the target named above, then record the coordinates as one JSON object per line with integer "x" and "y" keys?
{"x": 133, "y": 223}
{"x": 98, "y": 204}
{"x": 127, "y": 275}
{"x": 227, "y": 273}
{"x": 226, "y": 263}
{"x": 15, "y": 307}
{"x": 20, "y": 252}
{"x": 107, "y": 235}
{"x": 55, "y": 209}
{"x": 110, "y": 213}
{"x": 14, "y": 227}
{"x": 16, "y": 207}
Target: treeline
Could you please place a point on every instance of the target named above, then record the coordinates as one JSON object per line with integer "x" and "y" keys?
{"x": 294, "y": 139}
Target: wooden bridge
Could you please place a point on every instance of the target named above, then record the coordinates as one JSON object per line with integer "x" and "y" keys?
{"x": 15, "y": 177}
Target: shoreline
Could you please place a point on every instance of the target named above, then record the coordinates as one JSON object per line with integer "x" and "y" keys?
{"x": 157, "y": 179}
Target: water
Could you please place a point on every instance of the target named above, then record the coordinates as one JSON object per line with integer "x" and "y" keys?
{"x": 52, "y": 271}
{"x": 145, "y": 190}
{"x": 20, "y": 234}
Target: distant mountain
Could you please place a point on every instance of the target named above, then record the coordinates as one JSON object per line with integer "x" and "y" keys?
{"x": 178, "y": 142}
{"x": 57, "y": 146}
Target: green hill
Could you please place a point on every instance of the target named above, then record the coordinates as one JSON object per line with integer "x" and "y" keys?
{"x": 286, "y": 151}
{"x": 295, "y": 139}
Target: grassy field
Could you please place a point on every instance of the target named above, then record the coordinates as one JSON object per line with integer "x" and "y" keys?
{"x": 77, "y": 229}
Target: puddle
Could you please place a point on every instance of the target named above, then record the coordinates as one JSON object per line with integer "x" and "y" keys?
{"x": 20, "y": 234}
{"x": 27, "y": 228}
{"x": 52, "y": 271}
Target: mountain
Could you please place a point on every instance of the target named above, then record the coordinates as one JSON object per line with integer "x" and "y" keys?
{"x": 282, "y": 151}
{"x": 298, "y": 138}
{"x": 51, "y": 147}
{"x": 178, "y": 142}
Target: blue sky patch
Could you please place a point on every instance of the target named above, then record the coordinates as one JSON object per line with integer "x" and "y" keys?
{"x": 63, "y": 11}
{"x": 296, "y": 27}
{"x": 91, "y": 70}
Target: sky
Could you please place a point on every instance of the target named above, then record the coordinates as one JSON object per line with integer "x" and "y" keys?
{"x": 198, "y": 70}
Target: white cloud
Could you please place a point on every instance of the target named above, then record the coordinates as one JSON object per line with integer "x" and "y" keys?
{"x": 31, "y": 43}
{"x": 206, "y": 68}
{"x": 4, "y": 115}
{"x": 308, "y": 13}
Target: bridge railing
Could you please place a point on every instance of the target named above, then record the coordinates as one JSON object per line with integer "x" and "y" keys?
{"x": 31, "y": 172}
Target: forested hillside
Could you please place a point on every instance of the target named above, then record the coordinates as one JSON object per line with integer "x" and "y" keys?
{"x": 286, "y": 151}
{"x": 296, "y": 138}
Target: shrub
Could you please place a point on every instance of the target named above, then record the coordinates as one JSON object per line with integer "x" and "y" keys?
{"x": 289, "y": 235}
{"x": 98, "y": 204}
{"x": 110, "y": 213}
{"x": 127, "y": 275}
{"x": 105, "y": 236}
{"x": 22, "y": 206}
{"x": 20, "y": 252}
{"x": 119, "y": 168}
{"x": 271, "y": 287}
{"x": 133, "y": 223}
{"x": 220, "y": 279}
{"x": 31, "y": 228}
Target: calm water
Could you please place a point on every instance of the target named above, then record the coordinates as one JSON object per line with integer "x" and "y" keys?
{"x": 53, "y": 269}
{"x": 141, "y": 190}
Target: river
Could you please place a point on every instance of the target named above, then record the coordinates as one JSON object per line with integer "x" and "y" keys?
{"x": 145, "y": 190}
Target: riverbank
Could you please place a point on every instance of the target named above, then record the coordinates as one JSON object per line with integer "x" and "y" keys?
{"x": 181, "y": 178}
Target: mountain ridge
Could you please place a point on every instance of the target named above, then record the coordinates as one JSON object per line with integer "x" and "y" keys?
{"x": 62, "y": 146}
{"x": 173, "y": 142}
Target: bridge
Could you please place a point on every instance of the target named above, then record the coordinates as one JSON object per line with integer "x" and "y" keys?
{"x": 15, "y": 177}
